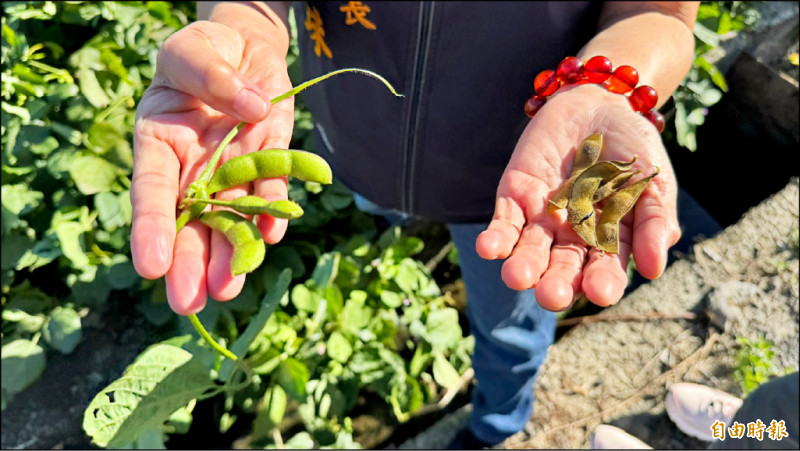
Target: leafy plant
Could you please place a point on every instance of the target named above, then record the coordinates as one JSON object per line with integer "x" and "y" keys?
{"x": 72, "y": 74}
{"x": 705, "y": 84}
{"x": 754, "y": 363}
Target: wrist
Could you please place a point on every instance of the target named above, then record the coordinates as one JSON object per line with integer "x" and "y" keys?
{"x": 597, "y": 71}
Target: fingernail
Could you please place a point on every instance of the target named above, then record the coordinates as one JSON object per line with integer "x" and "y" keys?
{"x": 163, "y": 250}
{"x": 250, "y": 105}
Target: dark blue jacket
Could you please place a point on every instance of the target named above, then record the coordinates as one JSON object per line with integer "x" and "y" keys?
{"x": 465, "y": 68}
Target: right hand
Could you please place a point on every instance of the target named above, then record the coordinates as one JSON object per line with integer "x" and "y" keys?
{"x": 208, "y": 78}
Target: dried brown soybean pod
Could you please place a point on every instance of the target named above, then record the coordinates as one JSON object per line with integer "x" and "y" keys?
{"x": 615, "y": 209}
{"x": 580, "y": 208}
{"x": 606, "y": 189}
{"x": 587, "y": 155}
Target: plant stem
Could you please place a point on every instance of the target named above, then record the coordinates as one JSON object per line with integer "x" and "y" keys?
{"x": 212, "y": 163}
{"x": 302, "y": 86}
{"x": 198, "y": 326}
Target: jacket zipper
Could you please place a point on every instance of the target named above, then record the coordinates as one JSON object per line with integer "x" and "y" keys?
{"x": 423, "y": 43}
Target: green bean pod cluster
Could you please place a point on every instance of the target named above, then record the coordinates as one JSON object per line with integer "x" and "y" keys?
{"x": 246, "y": 239}
{"x": 590, "y": 183}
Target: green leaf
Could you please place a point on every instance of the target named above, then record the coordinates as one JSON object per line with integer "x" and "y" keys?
{"x": 91, "y": 89}
{"x": 301, "y": 440}
{"x": 16, "y": 244}
{"x": 304, "y": 299}
{"x": 391, "y": 299}
{"x": 442, "y": 329}
{"x": 710, "y": 97}
{"x": 93, "y": 174}
{"x": 355, "y": 315}
{"x": 25, "y": 322}
{"x": 162, "y": 379}
{"x": 408, "y": 276}
{"x": 293, "y": 375}
{"x": 443, "y": 372}
{"x": 273, "y": 407}
{"x": 406, "y": 397}
{"x": 257, "y": 323}
{"x": 326, "y": 269}
{"x": 121, "y": 273}
{"x": 684, "y": 131}
{"x": 23, "y": 362}
{"x": 287, "y": 257}
{"x": 63, "y": 329}
{"x": 109, "y": 210}
{"x": 69, "y": 237}
{"x": 339, "y": 347}
{"x": 19, "y": 200}
{"x": 707, "y": 36}
{"x": 696, "y": 117}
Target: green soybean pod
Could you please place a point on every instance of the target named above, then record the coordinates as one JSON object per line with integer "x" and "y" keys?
{"x": 615, "y": 209}
{"x": 254, "y": 205}
{"x": 269, "y": 163}
{"x": 248, "y": 246}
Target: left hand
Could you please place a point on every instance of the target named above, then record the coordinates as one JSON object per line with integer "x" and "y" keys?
{"x": 542, "y": 250}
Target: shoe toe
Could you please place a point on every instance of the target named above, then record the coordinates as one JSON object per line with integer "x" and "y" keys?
{"x": 606, "y": 436}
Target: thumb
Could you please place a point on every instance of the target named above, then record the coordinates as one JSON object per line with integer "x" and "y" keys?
{"x": 201, "y": 60}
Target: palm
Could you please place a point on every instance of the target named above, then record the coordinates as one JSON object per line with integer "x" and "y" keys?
{"x": 176, "y": 133}
{"x": 544, "y": 250}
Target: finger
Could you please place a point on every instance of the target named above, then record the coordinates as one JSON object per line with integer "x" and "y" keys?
{"x": 655, "y": 230}
{"x": 562, "y": 281}
{"x": 222, "y": 286}
{"x": 498, "y": 240}
{"x": 604, "y": 276}
{"x": 154, "y": 194}
{"x": 186, "y": 279}
{"x": 279, "y": 125}
{"x": 529, "y": 259}
{"x": 202, "y": 60}
{"x": 272, "y": 228}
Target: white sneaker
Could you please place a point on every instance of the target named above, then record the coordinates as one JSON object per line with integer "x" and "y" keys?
{"x": 695, "y": 408}
{"x": 611, "y": 437}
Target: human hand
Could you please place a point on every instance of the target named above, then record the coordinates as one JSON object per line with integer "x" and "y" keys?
{"x": 208, "y": 78}
{"x": 543, "y": 250}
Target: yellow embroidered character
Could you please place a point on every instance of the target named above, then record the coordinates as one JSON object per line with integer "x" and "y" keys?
{"x": 756, "y": 430}
{"x": 314, "y": 25}
{"x": 357, "y": 13}
{"x": 736, "y": 430}
{"x": 777, "y": 430}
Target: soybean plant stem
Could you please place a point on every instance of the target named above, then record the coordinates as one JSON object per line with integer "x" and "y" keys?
{"x": 212, "y": 163}
{"x": 302, "y": 86}
{"x": 198, "y": 326}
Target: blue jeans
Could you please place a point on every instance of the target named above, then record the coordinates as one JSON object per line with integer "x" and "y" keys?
{"x": 512, "y": 334}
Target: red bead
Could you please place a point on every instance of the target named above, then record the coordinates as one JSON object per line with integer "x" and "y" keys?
{"x": 643, "y": 98}
{"x": 533, "y": 104}
{"x": 656, "y": 119}
{"x": 583, "y": 81}
{"x": 570, "y": 69}
{"x": 546, "y": 83}
{"x": 623, "y": 80}
{"x": 597, "y": 69}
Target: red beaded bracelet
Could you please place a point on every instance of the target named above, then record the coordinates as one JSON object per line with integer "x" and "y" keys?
{"x": 597, "y": 70}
